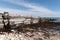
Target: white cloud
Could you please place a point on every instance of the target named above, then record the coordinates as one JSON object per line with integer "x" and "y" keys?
{"x": 14, "y": 11}
{"x": 34, "y": 8}
{"x": 26, "y": 13}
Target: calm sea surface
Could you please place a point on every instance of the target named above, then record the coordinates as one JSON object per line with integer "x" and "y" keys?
{"x": 57, "y": 19}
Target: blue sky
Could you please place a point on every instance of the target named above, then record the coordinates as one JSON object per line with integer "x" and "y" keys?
{"x": 43, "y": 8}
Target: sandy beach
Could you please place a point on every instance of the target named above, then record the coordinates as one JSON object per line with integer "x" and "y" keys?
{"x": 31, "y": 34}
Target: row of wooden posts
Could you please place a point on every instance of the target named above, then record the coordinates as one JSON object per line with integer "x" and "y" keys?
{"x": 6, "y": 16}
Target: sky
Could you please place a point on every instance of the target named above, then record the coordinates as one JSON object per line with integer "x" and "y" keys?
{"x": 36, "y": 8}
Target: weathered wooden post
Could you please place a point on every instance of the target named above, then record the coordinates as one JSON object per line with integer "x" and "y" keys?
{"x": 31, "y": 21}
{"x": 3, "y": 20}
{"x": 8, "y": 18}
{"x": 40, "y": 20}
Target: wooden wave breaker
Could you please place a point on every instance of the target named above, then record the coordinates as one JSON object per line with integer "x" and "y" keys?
{"x": 8, "y": 22}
